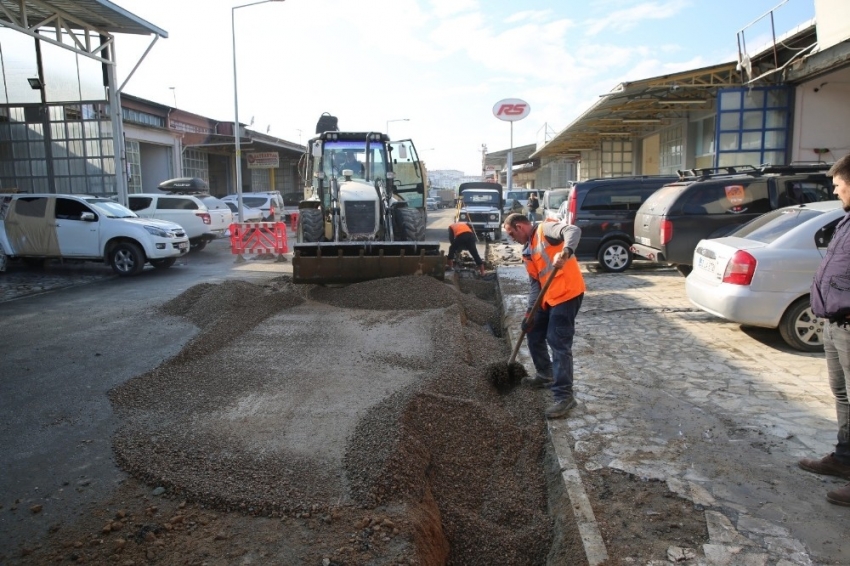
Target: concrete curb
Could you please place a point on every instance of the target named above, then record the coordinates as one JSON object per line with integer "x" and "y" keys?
{"x": 513, "y": 287}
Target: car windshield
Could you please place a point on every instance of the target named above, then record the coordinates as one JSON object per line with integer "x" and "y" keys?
{"x": 770, "y": 226}
{"x": 480, "y": 198}
{"x": 110, "y": 208}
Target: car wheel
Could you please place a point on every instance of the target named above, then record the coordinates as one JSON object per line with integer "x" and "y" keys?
{"x": 197, "y": 246}
{"x": 800, "y": 328}
{"x": 311, "y": 225}
{"x": 684, "y": 270}
{"x": 126, "y": 259}
{"x": 614, "y": 256}
{"x": 164, "y": 263}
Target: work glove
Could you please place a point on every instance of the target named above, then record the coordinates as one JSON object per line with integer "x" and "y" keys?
{"x": 527, "y": 322}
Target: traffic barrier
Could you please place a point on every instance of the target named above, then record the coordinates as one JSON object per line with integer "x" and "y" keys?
{"x": 293, "y": 221}
{"x": 258, "y": 238}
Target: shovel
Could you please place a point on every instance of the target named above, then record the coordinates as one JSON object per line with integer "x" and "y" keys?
{"x": 504, "y": 376}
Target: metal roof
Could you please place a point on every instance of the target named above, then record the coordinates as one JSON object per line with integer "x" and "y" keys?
{"x": 638, "y": 108}
{"x": 76, "y": 15}
{"x": 635, "y": 108}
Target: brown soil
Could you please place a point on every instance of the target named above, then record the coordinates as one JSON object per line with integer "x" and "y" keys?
{"x": 447, "y": 470}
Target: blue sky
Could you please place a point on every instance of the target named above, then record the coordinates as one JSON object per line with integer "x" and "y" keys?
{"x": 439, "y": 64}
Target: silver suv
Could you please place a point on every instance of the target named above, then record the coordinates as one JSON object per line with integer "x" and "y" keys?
{"x": 270, "y": 202}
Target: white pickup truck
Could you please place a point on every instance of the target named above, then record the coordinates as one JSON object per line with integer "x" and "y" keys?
{"x": 37, "y": 227}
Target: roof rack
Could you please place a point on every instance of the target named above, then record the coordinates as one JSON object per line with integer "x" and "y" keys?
{"x": 708, "y": 172}
{"x": 796, "y": 167}
{"x": 763, "y": 169}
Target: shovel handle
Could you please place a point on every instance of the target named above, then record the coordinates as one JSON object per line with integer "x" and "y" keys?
{"x": 533, "y": 311}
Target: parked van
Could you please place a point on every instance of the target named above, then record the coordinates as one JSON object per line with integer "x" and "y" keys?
{"x": 709, "y": 203}
{"x": 605, "y": 210}
{"x": 38, "y": 227}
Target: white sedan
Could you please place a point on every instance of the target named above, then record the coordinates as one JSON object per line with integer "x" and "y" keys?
{"x": 760, "y": 274}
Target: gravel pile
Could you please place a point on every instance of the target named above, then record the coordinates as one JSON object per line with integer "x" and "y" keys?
{"x": 460, "y": 461}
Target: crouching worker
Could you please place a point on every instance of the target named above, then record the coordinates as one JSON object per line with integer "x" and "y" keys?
{"x": 462, "y": 237}
{"x": 548, "y": 245}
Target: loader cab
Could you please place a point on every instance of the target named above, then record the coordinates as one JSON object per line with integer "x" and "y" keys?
{"x": 331, "y": 152}
{"x": 409, "y": 179}
{"x": 394, "y": 164}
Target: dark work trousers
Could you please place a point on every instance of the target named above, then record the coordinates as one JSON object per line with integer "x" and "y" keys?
{"x": 465, "y": 241}
{"x": 555, "y": 327}
{"x": 836, "y": 348}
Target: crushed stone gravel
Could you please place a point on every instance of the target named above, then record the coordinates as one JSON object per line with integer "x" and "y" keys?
{"x": 457, "y": 462}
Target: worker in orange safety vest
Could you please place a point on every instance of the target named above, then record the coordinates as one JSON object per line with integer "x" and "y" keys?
{"x": 547, "y": 245}
{"x": 462, "y": 237}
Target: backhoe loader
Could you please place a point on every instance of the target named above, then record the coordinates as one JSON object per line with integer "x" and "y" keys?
{"x": 363, "y": 214}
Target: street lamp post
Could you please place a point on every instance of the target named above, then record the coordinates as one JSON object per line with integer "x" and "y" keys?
{"x": 236, "y": 130}
{"x": 398, "y": 120}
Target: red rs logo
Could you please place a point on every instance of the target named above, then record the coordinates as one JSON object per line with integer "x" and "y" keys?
{"x": 511, "y": 109}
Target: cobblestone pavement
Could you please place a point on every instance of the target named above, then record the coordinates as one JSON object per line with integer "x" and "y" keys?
{"x": 721, "y": 413}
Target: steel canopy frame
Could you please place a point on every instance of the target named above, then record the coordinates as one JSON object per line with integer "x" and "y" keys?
{"x": 90, "y": 25}
{"x": 637, "y": 107}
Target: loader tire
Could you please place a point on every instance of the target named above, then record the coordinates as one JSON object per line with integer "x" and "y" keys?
{"x": 311, "y": 225}
{"x": 409, "y": 225}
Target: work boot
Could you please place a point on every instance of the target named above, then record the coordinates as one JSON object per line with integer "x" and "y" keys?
{"x": 826, "y": 466}
{"x": 539, "y": 381}
{"x": 840, "y": 496}
{"x": 561, "y": 408}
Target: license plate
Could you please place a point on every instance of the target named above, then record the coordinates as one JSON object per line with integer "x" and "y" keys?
{"x": 642, "y": 240}
{"x": 182, "y": 245}
{"x": 705, "y": 264}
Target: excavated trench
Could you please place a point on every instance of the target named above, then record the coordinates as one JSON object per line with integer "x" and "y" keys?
{"x": 363, "y": 414}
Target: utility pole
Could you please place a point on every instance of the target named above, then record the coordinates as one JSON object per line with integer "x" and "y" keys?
{"x": 483, "y": 161}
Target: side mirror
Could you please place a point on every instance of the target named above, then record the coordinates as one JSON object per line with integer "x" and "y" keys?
{"x": 402, "y": 152}
{"x": 87, "y": 216}
{"x": 317, "y": 148}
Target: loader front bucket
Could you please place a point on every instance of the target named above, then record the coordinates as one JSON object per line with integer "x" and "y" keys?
{"x": 352, "y": 262}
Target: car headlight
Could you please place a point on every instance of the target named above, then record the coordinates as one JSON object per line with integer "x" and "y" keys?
{"x": 493, "y": 217}
{"x": 462, "y": 216}
{"x": 161, "y": 232}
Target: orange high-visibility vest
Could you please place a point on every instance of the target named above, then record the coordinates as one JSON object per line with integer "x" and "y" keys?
{"x": 568, "y": 283}
{"x": 459, "y": 228}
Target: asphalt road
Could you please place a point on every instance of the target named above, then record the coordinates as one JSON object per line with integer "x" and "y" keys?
{"x": 68, "y": 334}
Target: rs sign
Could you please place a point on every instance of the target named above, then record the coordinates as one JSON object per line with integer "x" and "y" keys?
{"x": 511, "y": 109}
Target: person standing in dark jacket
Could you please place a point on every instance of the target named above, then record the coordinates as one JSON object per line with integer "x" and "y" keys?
{"x": 533, "y": 205}
{"x": 830, "y": 299}
{"x": 462, "y": 237}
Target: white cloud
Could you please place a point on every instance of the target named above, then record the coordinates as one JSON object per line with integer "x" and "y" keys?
{"x": 620, "y": 21}
{"x": 447, "y": 8}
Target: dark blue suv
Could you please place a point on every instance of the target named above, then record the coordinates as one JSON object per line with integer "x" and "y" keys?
{"x": 605, "y": 211}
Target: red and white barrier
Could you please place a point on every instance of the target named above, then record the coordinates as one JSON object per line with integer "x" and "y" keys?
{"x": 258, "y": 238}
